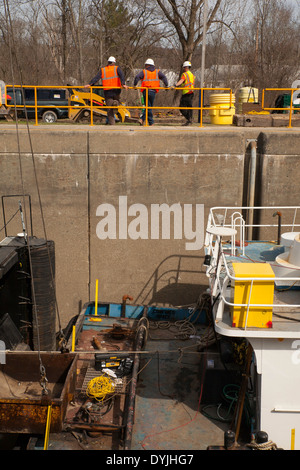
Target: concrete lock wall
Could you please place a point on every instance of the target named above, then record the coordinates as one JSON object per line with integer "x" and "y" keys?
{"x": 95, "y": 184}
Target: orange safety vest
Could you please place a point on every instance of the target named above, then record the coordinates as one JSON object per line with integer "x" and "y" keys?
{"x": 110, "y": 78}
{"x": 151, "y": 79}
{"x": 188, "y": 84}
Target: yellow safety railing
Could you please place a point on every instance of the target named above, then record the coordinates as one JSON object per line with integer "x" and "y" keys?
{"x": 92, "y": 106}
{"x": 200, "y": 108}
{"x": 289, "y": 109}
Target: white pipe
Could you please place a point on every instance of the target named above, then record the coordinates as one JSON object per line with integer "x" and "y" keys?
{"x": 252, "y": 178}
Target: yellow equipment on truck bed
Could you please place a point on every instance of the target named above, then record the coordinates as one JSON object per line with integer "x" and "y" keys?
{"x": 81, "y": 103}
{"x": 71, "y": 103}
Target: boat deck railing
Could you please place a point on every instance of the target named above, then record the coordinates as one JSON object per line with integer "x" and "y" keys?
{"x": 222, "y": 248}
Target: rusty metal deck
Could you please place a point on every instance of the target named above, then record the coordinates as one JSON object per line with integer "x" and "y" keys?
{"x": 156, "y": 407}
{"x": 169, "y": 398}
{"x": 23, "y": 406}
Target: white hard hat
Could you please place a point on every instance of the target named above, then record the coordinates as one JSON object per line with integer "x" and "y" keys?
{"x": 111, "y": 59}
{"x": 187, "y": 64}
{"x": 149, "y": 62}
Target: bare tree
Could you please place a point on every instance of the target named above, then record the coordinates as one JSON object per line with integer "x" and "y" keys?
{"x": 186, "y": 18}
{"x": 77, "y": 14}
{"x": 130, "y": 30}
{"x": 23, "y": 37}
{"x": 272, "y": 51}
{"x": 62, "y": 39}
{"x": 56, "y": 36}
{"x": 65, "y": 22}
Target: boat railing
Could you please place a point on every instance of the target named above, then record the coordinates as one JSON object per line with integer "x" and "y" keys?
{"x": 222, "y": 254}
{"x": 237, "y": 219}
{"x": 217, "y": 219}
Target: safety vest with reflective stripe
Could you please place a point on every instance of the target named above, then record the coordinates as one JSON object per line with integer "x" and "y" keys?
{"x": 110, "y": 77}
{"x": 188, "y": 84}
{"x": 151, "y": 79}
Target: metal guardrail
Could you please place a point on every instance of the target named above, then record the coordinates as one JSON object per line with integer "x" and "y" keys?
{"x": 200, "y": 108}
{"x": 291, "y": 108}
{"x": 218, "y": 270}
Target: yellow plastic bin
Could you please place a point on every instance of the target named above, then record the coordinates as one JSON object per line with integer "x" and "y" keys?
{"x": 247, "y": 94}
{"x": 222, "y": 110}
{"x": 262, "y": 293}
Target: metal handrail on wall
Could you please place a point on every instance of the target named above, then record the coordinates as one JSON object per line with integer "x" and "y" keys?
{"x": 291, "y": 108}
{"x": 200, "y": 108}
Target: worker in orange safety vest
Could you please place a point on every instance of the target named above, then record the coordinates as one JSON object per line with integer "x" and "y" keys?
{"x": 187, "y": 81}
{"x": 150, "y": 78}
{"x": 113, "y": 81}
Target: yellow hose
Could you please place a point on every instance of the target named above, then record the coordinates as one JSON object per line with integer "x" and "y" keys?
{"x": 99, "y": 387}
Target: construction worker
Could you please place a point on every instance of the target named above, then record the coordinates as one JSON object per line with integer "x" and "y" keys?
{"x": 187, "y": 81}
{"x": 111, "y": 76}
{"x": 150, "y": 78}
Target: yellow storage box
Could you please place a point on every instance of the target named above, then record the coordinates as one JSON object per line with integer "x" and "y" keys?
{"x": 262, "y": 293}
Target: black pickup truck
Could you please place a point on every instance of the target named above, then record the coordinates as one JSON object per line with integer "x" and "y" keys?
{"x": 49, "y": 102}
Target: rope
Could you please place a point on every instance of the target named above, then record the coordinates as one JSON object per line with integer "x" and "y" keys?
{"x": 5, "y": 225}
{"x": 185, "y": 329}
{"x": 269, "y": 445}
{"x": 100, "y": 387}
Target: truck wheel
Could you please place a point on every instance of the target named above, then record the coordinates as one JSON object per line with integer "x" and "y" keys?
{"x": 49, "y": 117}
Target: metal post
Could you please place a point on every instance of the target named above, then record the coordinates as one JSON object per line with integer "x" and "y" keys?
{"x": 291, "y": 110}
{"x": 203, "y": 43}
{"x": 248, "y": 305}
{"x": 146, "y": 109}
{"x": 92, "y": 120}
{"x": 35, "y": 107}
{"x": 203, "y": 58}
{"x": 252, "y": 177}
{"x": 48, "y": 424}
